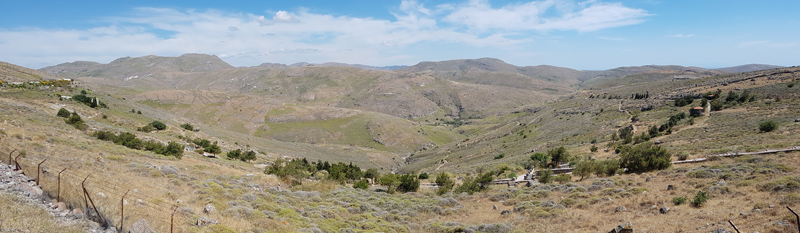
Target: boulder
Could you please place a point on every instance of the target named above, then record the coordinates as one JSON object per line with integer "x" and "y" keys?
{"x": 61, "y": 206}
{"x": 721, "y": 182}
{"x": 494, "y": 207}
{"x": 670, "y": 187}
{"x": 663, "y": 210}
{"x": 504, "y": 212}
{"x": 623, "y": 228}
{"x": 620, "y": 209}
{"x": 205, "y": 221}
{"x": 721, "y": 230}
{"x": 140, "y": 226}
{"x": 209, "y": 208}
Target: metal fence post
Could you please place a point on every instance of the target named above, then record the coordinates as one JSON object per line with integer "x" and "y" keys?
{"x": 172, "y": 219}
{"x": 734, "y": 226}
{"x": 86, "y": 193}
{"x": 39, "y": 168}
{"x": 122, "y": 215}
{"x": 16, "y": 164}
{"x": 9, "y": 156}
{"x": 796, "y": 216}
{"x": 59, "y": 185}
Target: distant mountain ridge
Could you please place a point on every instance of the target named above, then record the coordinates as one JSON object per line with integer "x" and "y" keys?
{"x": 331, "y": 64}
{"x": 748, "y": 68}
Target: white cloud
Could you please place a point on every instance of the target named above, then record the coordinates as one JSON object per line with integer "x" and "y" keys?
{"x": 611, "y": 38}
{"x": 583, "y": 17}
{"x": 289, "y": 37}
{"x": 681, "y": 35}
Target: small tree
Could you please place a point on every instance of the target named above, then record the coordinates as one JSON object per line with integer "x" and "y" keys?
{"x": 584, "y": 168}
{"x": 557, "y": 155}
{"x": 545, "y": 176}
{"x": 63, "y": 113}
{"x": 593, "y": 149}
{"x": 540, "y": 158}
{"x": 644, "y": 157}
{"x": 408, "y": 183}
{"x": 768, "y": 126}
{"x": 213, "y": 148}
{"x": 444, "y": 182}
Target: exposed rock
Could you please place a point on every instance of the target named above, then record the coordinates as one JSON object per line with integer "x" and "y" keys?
{"x": 623, "y": 228}
{"x": 664, "y": 210}
{"x": 140, "y": 226}
{"x": 209, "y": 208}
{"x": 205, "y": 221}
{"x": 494, "y": 207}
{"x": 310, "y": 230}
{"x": 721, "y": 183}
{"x": 649, "y": 179}
{"x": 670, "y": 187}
{"x": 60, "y": 206}
{"x": 504, "y": 212}
{"x": 101, "y": 194}
{"x": 620, "y": 209}
{"x": 167, "y": 170}
{"x": 721, "y": 230}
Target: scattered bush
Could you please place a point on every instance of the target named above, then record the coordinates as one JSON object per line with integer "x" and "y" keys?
{"x": 408, "y": 183}
{"x": 361, "y": 184}
{"x": 768, "y": 126}
{"x": 593, "y": 148}
{"x": 75, "y": 121}
{"x": 562, "y": 178}
{"x": 129, "y": 140}
{"x": 644, "y": 157}
{"x": 557, "y": 155}
{"x": 700, "y": 198}
{"x": 187, "y": 126}
{"x": 243, "y": 156}
{"x": 540, "y": 158}
{"x": 444, "y": 182}
{"x": 686, "y": 100}
{"x": 678, "y": 200}
{"x": 545, "y": 176}
{"x": 63, "y": 113}
{"x": 158, "y": 125}
{"x": 423, "y": 176}
{"x": 500, "y": 156}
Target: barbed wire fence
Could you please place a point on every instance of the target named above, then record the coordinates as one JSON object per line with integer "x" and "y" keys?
{"x": 102, "y": 200}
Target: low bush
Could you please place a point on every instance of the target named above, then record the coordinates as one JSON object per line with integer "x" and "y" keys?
{"x": 678, "y": 200}
{"x": 187, "y": 126}
{"x": 768, "y": 126}
{"x": 700, "y": 198}
{"x": 361, "y": 184}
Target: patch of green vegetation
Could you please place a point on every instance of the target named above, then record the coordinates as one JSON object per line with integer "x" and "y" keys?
{"x": 346, "y": 131}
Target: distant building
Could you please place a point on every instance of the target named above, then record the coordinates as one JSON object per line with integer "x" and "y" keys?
{"x": 697, "y": 111}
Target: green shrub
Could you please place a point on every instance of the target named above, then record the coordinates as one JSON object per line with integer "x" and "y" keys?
{"x": 682, "y": 156}
{"x": 541, "y": 158}
{"x": 361, "y": 184}
{"x": 243, "y": 156}
{"x": 678, "y": 200}
{"x": 500, "y": 156}
{"x": 63, "y": 113}
{"x": 444, "y": 182}
{"x": 158, "y": 125}
{"x": 562, "y": 178}
{"x": 76, "y": 121}
{"x": 557, "y": 155}
{"x": 593, "y": 149}
{"x": 423, "y": 176}
{"x": 768, "y": 126}
{"x": 644, "y": 157}
{"x": 187, "y": 126}
{"x": 700, "y": 198}
{"x": 545, "y": 176}
{"x": 408, "y": 183}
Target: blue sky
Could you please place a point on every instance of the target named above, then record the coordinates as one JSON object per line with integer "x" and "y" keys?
{"x": 589, "y": 35}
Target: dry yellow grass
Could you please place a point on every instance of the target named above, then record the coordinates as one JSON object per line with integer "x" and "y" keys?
{"x": 16, "y": 215}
